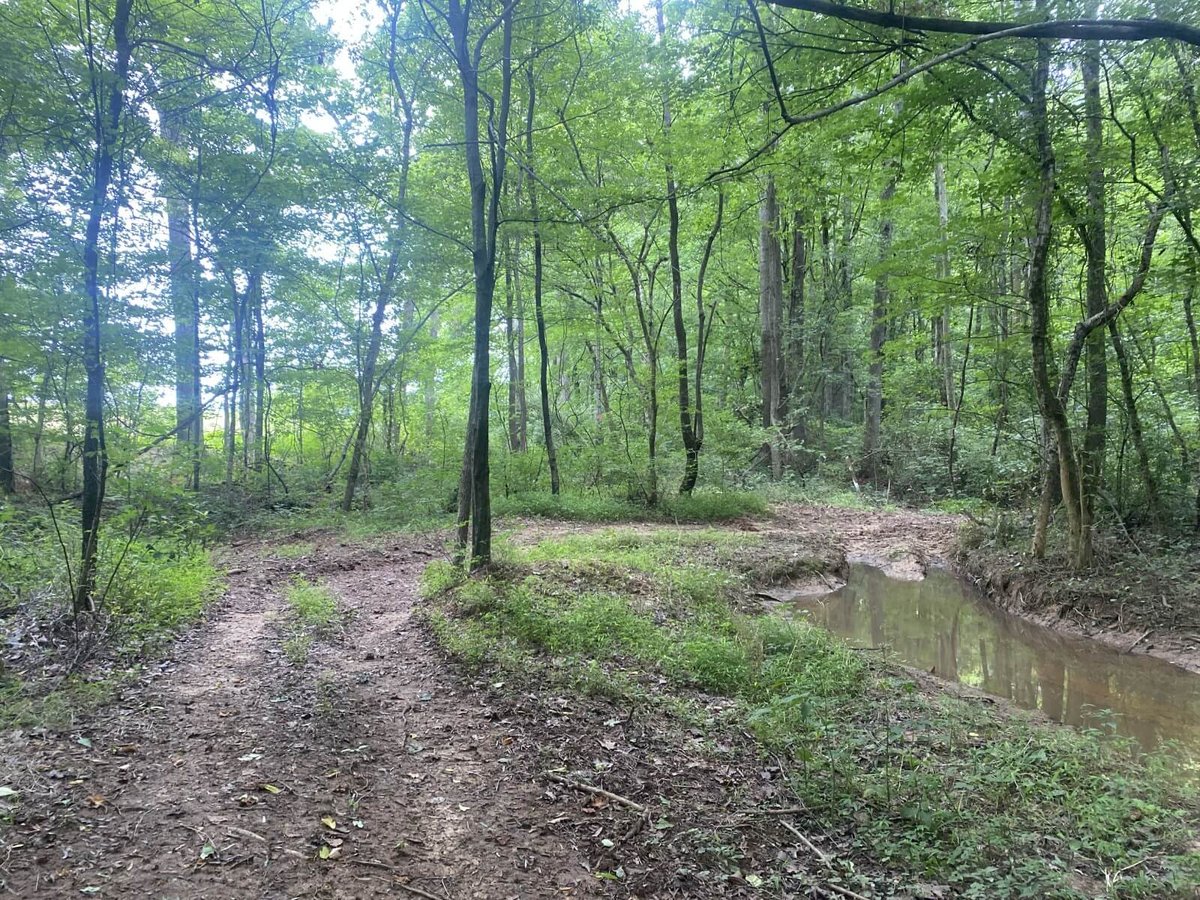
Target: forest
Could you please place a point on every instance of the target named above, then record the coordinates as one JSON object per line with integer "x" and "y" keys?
{"x": 393, "y": 391}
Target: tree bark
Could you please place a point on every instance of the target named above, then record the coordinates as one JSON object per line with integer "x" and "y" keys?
{"x": 1095, "y": 251}
{"x": 770, "y": 316}
{"x": 8, "y": 480}
{"x": 1153, "y": 500}
{"x": 475, "y": 506}
{"x": 95, "y": 451}
{"x": 868, "y": 467}
{"x": 185, "y": 311}
{"x": 691, "y": 443}
{"x": 794, "y": 358}
{"x": 942, "y": 348}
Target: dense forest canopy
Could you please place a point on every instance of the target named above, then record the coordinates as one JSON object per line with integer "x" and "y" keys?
{"x": 413, "y": 254}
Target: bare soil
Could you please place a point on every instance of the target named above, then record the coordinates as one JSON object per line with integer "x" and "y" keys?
{"x": 212, "y": 776}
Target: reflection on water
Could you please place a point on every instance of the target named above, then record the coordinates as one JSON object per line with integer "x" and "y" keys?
{"x": 941, "y": 626}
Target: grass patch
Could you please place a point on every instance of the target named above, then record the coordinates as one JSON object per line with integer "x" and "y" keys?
{"x": 988, "y": 805}
{"x": 314, "y": 614}
{"x": 56, "y": 710}
{"x": 297, "y": 550}
{"x": 700, "y": 507}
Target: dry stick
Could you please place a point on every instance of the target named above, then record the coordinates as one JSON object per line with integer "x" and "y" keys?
{"x": 836, "y": 888}
{"x": 1129, "y": 649}
{"x": 416, "y": 891}
{"x": 245, "y": 832}
{"x": 809, "y": 844}
{"x": 590, "y": 789}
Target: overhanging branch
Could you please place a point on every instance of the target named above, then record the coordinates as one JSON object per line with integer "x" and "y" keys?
{"x": 1070, "y": 29}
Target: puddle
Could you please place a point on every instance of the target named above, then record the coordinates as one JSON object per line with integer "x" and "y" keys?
{"x": 943, "y": 627}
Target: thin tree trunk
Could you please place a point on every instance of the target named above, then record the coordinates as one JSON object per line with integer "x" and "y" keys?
{"x": 770, "y": 315}
{"x": 516, "y": 440}
{"x": 691, "y": 444}
{"x": 259, "y": 349}
{"x": 794, "y": 358}
{"x": 539, "y": 312}
{"x": 95, "y": 451}
{"x": 868, "y": 467}
{"x": 703, "y": 324}
{"x": 1135, "y": 424}
{"x": 8, "y": 480}
{"x": 942, "y": 348}
{"x": 184, "y": 309}
{"x": 1096, "y": 360}
{"x": 484, "y": 226}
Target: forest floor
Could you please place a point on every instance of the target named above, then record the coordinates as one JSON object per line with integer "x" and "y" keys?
{"x": 263, "y": 758}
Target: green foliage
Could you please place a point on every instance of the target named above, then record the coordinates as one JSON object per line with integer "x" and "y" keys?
{"x": 940, "y": 788}
{"x": 702, "y": 506}
{"x": 313, "y": 604}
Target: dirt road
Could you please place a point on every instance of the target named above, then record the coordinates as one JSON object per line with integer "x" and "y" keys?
{"x": 226, "y": 772}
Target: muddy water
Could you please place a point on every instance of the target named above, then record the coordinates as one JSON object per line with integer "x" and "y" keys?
{"x": 941, "y": 626}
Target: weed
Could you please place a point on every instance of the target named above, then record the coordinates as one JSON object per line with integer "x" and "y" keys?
{"x": 297, "y": 550}
{"x": 313, "y": 604}
{"x": 991, "y": 806}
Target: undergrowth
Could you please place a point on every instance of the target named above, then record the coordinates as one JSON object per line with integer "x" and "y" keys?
{"x": 314, "y": 613}
{"x": 985, "y": 805}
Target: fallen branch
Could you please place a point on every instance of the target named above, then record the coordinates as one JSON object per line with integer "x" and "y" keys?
{"x": 591, "y": 789}
{"x": 404, "y": 886}
{"x": 809, "y": 844}
{"x": 1148, "y": 632}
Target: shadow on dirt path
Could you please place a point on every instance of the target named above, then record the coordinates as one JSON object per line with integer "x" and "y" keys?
{"x": 225, "y": 771}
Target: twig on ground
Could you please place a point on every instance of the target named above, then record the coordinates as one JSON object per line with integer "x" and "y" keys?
{"x": 809, "y": 844}
{"x": 404, "y": 886}
{"x": 1147, "y": 634}
{"x": 591, "y": 789}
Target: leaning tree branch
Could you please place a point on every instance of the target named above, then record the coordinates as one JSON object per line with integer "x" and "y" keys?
{"x": 1070, "y": 29}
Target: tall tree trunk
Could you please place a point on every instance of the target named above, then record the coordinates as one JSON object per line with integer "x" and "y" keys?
{"x": 703, "y": 323}
{"x": 794, "y": 358}
{"x": 1039, "y": 302}
{"x": 942, "y": 348}
{"x": 366, "y": 383}
{"x": 8, "y": 480}
{"x": 1096, "y": 361}
{"x": 691, "y": 444}
{"x": 95, "y": 452}
{"x": 259, "y": 350}
{"x": 868, "y": 467}
{"x": 516, "y": 434}
{"x": 538, "y": 309}
{"x": 770, "y": 315}
{"x": 1135, "y": 424}
{"x": 181, "y": 275}
{"x": 485, "y": 212}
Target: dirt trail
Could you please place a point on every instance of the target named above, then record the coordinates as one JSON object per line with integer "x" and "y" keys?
{"x": 211, "y": 776}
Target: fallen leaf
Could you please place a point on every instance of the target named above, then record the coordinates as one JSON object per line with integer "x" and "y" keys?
{"x": 330, "y": 823}
{"x": 6, "y": 791}
{"x": 86, "y": 742}
{"x": 249, "y": 757}
{"x": 207, "y": 850}
{"x": 270, "y": 789}
{"x": 97, "y": 801}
